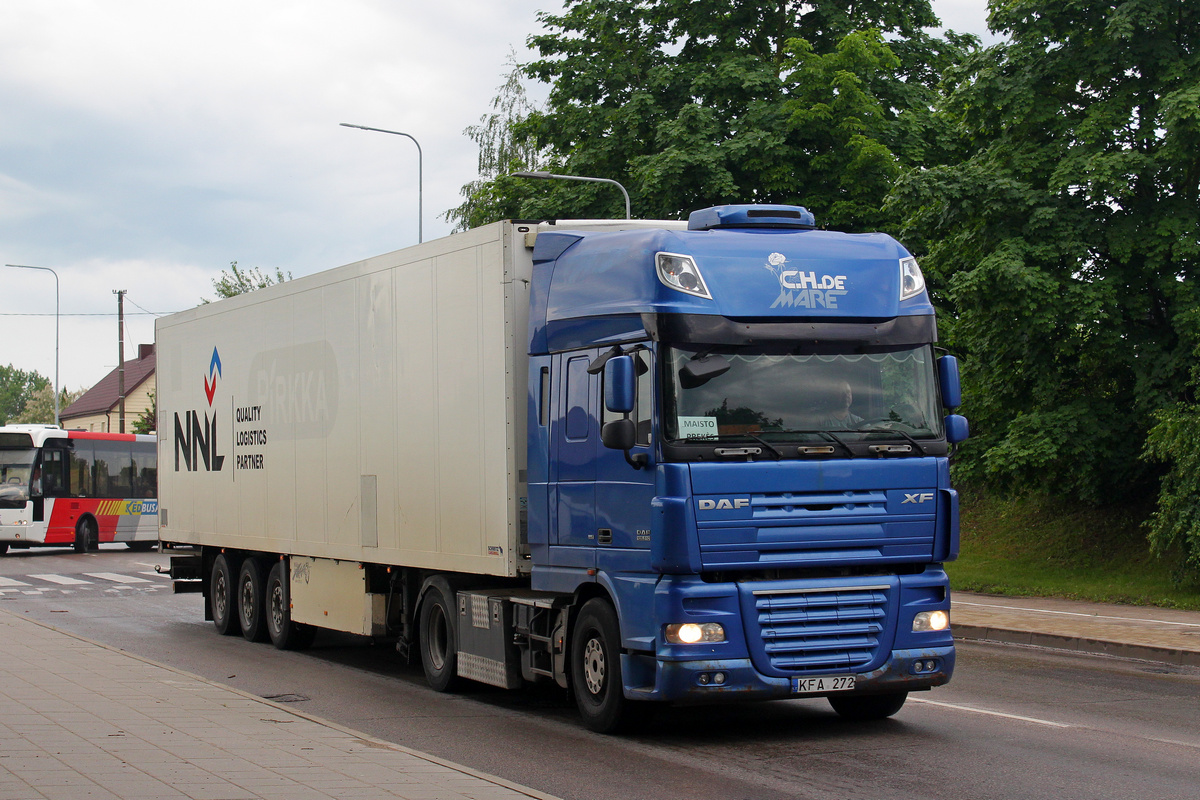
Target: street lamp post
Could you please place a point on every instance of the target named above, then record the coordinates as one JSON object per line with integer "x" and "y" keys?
{"x": 543, "y": 175}
{"x": 56, "y": 318}
{"x": 420, "y": 168}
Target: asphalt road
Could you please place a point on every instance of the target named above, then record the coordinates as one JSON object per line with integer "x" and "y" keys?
{"x": 1014, "y": 723}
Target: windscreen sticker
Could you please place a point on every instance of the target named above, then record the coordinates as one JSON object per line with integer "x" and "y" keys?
{"x": 697, "y": 427}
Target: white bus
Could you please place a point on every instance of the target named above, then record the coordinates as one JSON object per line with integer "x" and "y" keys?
{"x": 77, "y": 488}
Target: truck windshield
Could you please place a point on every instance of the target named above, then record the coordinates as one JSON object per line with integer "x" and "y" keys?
{"x": 16, "y": 467}
{"x": 744, "y": 393}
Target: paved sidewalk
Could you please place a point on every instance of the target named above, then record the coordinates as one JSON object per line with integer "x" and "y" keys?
{"x": 82, "y": 720}
{"x": 1153, "y": 634}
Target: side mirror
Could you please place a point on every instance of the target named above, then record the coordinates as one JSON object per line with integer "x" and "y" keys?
{"x": 957, "y": 429}
{"x": 619, "y": 434}
{"x": 951, "y": 386}
{"x": 620, "y": 385}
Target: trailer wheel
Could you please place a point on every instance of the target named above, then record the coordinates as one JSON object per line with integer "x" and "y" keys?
{"x": 596, "y": 671}
{"x": 285, "y": 634}
{"x": 87, "y": 535}
{"x": 251, "y": 600}
{"x": 221, "y": 594}
{"x": 439, "y": 645}
{"x": 868, "y": 706}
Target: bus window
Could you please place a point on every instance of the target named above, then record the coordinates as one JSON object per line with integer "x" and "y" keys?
{"x": 81, "y": 469}
{"x": 114, "y": 469}
{"x": 145, "y": 464}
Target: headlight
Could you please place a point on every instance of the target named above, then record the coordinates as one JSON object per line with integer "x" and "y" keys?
{"x": 912, "y": 282}
{"x": 681, "y": 274}
{"x": 931, "y": 621}
{"x": 695, "y": 633}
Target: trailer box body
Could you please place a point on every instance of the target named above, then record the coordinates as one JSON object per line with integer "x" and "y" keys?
{"x": 366, "y": 413}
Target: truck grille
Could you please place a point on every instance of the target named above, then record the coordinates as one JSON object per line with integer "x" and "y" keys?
{"x": 822, "y": 629}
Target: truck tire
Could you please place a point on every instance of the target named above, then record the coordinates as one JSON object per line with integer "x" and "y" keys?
{"x": 596, "y": 671}
{"x": 87, "y": 535}
{"x": 868, "y": 706}
{"x": 439, "y": 642}
{"x": 277, "y": 603}
{"x": 251, "y": 596}
{"x": 222, "y": 595}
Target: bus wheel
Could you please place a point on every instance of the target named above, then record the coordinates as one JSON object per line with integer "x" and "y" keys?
{"x": 142, "y": 545}
{"x": 221, "y": 594}
{"x": 252, "y": 600}
{"x": 3, "y": 548}
{"x": 87, "y": 535}
{"x": 439, "y": 648}
{"x": 868, "y": 706}
{"x": 596, "y": 671}
{"x": 285, "y": 634}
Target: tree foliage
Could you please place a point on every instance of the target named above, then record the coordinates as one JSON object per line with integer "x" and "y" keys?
{"x": 1066, "y": 245}
{"x": 147, "y": 421}
{"x": 17, "y": 388}
{"x": 239, "y": 280}
{"x": 691, "y": 104}
{"x": 40, "y": 408}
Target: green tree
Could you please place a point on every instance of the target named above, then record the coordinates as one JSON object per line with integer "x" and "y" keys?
{"x": 40, "y": 408}
{"x": 17, "y": 388}
{"x": 695, "y": 103}
{"x": 147, "y": 421}
{"x": 1066, "y": 246}
{"x": 239, "y": 280}
{"x": 502, "y": 151}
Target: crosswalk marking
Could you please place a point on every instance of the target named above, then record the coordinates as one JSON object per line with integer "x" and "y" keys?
{"x": 115, "y": 578}
{"x": 11, "y": 582}
{"x": 62, "y": 580}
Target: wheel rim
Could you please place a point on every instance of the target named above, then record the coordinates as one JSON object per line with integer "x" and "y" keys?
{"x": 594, "y": 666}
{"x": 247, "y": 602}
{"x": 437, "y": 637}
{"x": 277, "y": 607}
{"x": 220, "y": 591}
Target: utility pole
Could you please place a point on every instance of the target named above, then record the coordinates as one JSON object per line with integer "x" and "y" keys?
{"x": 120, "y": 293}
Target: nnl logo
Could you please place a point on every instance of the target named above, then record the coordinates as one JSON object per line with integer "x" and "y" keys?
{"x": 196, "y": 440}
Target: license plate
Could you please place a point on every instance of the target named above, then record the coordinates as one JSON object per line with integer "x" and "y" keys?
{"x": 826, "y": 683}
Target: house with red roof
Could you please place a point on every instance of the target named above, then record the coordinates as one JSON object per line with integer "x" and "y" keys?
{"x": 99, "y": 407}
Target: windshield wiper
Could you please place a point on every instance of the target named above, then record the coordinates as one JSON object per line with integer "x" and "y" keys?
{"x": 778, "y": 455}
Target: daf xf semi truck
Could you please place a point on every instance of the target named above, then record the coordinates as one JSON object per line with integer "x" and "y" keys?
{"x": 653, "y": 462}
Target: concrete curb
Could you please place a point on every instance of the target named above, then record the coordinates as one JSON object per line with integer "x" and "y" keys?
{"x": 1078, "y": 644}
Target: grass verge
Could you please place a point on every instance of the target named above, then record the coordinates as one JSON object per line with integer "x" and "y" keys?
{"x": 1038, "y": 547}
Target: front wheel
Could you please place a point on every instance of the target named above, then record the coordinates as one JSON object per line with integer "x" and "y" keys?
{"x": 868, "y": 706}
{"x": 87, "y": 535}
{"x": 596, "y": 670}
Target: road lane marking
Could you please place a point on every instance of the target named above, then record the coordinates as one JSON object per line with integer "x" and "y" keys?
{"x": 973, "y": 710}
{"x": 115, "y": 578}
{"x": 63, "y": 580}
{"x": 1073, "y": 614}
{"x": 12, "y": 582}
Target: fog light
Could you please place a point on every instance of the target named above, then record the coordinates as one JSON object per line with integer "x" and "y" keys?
{"x": 931, "y": 621}
{"x": 703, "y": 679}
{"x": 695, "y": 632}
{"x": 719, "y": 678}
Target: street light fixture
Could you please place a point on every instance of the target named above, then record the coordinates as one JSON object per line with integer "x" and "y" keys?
{"x": 543, "y": 175}
{"x": 56, "y": 318}
{"x": 420, "y": 168}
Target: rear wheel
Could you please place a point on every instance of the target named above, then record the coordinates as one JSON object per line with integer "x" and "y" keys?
{"x": 285, "y": 634}
{"x": 251, "y": 600}
{"x": 3, "y": 548}
{"x": 439, "y": 645}
{"x": 142, "y": 545}
{"x": 222, "y": 597}
{"x": 596, "y": 671}
{"x": 868, "y": 706}
{"x": 87, "y": 535}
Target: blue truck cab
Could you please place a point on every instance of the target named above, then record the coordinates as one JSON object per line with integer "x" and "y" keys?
{"x": 738, "y": 463}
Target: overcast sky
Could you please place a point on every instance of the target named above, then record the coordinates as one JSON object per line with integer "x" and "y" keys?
{"x": 145, "y": 144}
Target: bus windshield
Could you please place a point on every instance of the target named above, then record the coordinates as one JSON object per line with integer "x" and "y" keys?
{"x": 16, "y": 469}
{"x": 739, "y": 393}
